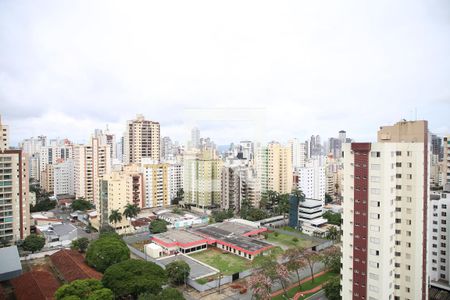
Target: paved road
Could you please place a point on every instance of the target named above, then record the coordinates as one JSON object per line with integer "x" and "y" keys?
{"x": 318, "y": 296}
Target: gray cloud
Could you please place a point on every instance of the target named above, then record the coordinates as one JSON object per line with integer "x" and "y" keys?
{"x": 67, "y": 67}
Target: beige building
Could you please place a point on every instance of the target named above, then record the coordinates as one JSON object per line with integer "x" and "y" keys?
{"x": 47, "y": 179}
{"x": 202, "y": 178}
{"x": 385, "y": 205}
{"x": 117, "y": 189}
{"x": 157, "y": 186}
{"x": 141, "y": 140}
{"x": 274, "y": 164}
{"x": 91, "y": 162}
{"x": 14, "y": 191}
{"x": 4, "y": 135}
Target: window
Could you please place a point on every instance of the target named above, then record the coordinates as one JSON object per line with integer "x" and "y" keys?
{"x": 398, "y": 165}
{"x": 398, "y": 153}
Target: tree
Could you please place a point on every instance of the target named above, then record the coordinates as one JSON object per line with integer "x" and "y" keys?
{"x": 133, "y": 277}
{"x": 90, "y": 289}
{"x": 333, "y": 218}
{"x": 283, "y": 204}
{"x": 333, "y": 289}
{"x": 106, "y": 228}
{"x": 178, "y": 271}
{"x": 131, "y": 211}
{"x": 261, "y": 285}
{"x": 311, "y": 259}
{"x": 254, "y": 214}
{"x": 106, "y": 251}
{"x": 80, "y": 244}
{"x": 179, "y": 197}
{"x": 295, "y": 261}
{"x": 33, "y": 243}
{"x": 221, "y": 215}
{"x": 43, "y": 205}
{"x": 158, "y": 226}
{"x": 115, "y": 216}
{"x": 333, "y": 233}
{"x": 81, "y": 204}
{"x": 328, "y": 198}
{"x": 272, "y": 200}
{"x": 332, "y": 259}
{"x": 167, "y": 293}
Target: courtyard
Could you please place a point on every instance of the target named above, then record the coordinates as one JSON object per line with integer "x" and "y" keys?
{"x": 227, "y": 263}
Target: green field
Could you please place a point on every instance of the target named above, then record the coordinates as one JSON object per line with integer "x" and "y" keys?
{"x": 288, "y": 240}
{"x": 227, "y": 263}
{"x": 307, "y": 286}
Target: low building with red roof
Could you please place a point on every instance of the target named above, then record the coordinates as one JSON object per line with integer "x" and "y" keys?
{"x": 36, "y": 285}
{"x": 70, "y": 265}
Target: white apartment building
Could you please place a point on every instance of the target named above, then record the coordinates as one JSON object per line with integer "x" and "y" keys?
{"x": 311, "y": 179}
{"x": 438, "y": 240}
{"x": 385, "y": 192}
{"x": 175, "y": 179}
{"x": 51, "y": 154}
{"x": 141, "y": 140}
{"x": 446, "y": 162}
{"x": 63, "y": 178}
{"x": 47, "y": 179}
{"x": 4, "y": 135}
{"x": 298, "y": 153}
{"x": 91, "y": 162}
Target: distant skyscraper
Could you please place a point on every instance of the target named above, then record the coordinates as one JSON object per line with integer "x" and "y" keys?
{"x": 298, "y": 155}
{"x": 343, "y": 136}
{"x": 446, "y": 165}
{"x": 141, "y": 140}
{"x": 436, "y": 146}
{"x": 4, "y": 138}
{"x": 195, "y": 138}
{"x": 386, "y": 198}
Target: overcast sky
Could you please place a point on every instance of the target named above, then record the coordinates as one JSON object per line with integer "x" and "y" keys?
{"x": 296, "y": 67}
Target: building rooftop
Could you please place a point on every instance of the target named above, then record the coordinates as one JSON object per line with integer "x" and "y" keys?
{"x": 10, "y": 263}
{"x": 178, "y": 236}
{"x": 70, "y": 264}
{"x": 36, "y": 285}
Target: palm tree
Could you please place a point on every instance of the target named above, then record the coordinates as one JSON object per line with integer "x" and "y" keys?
{"x": 130, "y": 211}
{"x": 272, "y": 198}
{"x": 115, "y": 216}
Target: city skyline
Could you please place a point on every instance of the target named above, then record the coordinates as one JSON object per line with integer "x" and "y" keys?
{"x": 360, "y": 66}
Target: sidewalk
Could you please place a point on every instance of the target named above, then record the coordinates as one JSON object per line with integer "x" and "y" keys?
{"x": 279, "y": 292}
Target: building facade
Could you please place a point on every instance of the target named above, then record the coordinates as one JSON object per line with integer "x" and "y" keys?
{"x": 311, "y": 179}
{"x": 157, "y": 187}
{"x": 141, "y": 140}
{"x": 385, "y": 194}
{"x": 64, "y": 179}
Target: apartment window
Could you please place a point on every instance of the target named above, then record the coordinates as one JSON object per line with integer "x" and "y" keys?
{"x": 409, "y": 165}
{"x": 444, "y": 214}
{"x": 398, "y": 254}
{"x": 398, "y": 187}
{"x": 398, "y": 165}
{"x": 409, "y": 176}
{"x": 398, "y": 221}
{"x": 375, "y": 154}
{"x": 398, "y": 175}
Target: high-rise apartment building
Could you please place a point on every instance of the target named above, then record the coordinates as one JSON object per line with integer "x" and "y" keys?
{"x": 47, "y": 179}
{"x": 275, "y": 168}
{"x": 298, "y": 153}
{"x": 175, "y": 179}
{"x": 386, "y": 195}
{"x": 157, "y": 187}
{"x": 202, "y": 178}
{"x": 439, "y": 240}
{"x": 117, "y": 189}
{"x": 14, "y": 191}
{"x": 446, "y": 162}
{"x": 141, "y": 140}
{"x": 91, "y": 162}
{"x": 107, "y": 138}
{"x": 311, "y": 179}
{"x": 63, "y": 178}
{"x": 195, "y": 138}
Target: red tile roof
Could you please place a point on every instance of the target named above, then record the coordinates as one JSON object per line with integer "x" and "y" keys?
{"x": 36, "y": 285}
{"x": 70, "y": 264}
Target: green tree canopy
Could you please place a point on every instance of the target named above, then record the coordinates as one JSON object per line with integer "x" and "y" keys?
{"x": 131, "y": 210}
{"x": 328, "y": 198}
{"x": 158, "y": 226}
{"x": 333, "y": 289}
{"x": 115, "y": 216}
{"x": 80, "y": 244}
{"x": 90, "y": 289}
{"x": 178, "y": 271}
{"x": 33, "y": 243}
{"x": 81, "y": 204}
{"x": 133, "y": 277}
{"x": 332, "y": 259}
{"x": 43, "y": 205}
{"x": 221, "y": 215}
{"x": 168, "y": 293}
{"x": 106, "y": 251}
{"x": 333, "y": 218}
{"x": 254, "y": 214}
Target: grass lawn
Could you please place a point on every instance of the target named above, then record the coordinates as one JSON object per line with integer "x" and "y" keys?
{"x": 227, "y": 263}
{"x": 288, "y": 241}
{"x": 307, "y": 286}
